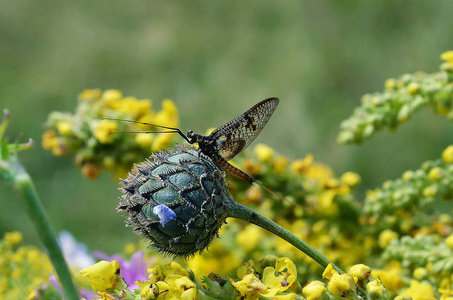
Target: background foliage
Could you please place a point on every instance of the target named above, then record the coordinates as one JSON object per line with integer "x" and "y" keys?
{"x": 214, "y": 60}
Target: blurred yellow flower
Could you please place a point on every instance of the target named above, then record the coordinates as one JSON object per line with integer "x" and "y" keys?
{"x": 103, "y": 129}
{"x": 94, "y": 94}
{"x": 385, "y": 237}
{"x": 280, "y": 163}
{"x": 419, "y": 291}
{"x": 447, "y": 155}
{"x": 420, "y": 273}
{"x": 314, "y": 290}
{"x": 104, "y": 275}
{"x": 391, "y": 276}
{"x": 447, "y": 56}
{"x": 168, "y": 116}
{"x": 301, "y": 165}
{"x": 435, "y": 174}
{"x": 249, "y": 238}
{"x": 64, "y": 128}
{"x": 161, "y": 141}
{"x": 13, "y": 238}
{"x": 145, "y": 140}
{"x": 413, "y": 88}
{"x": 110, "y": 97}
{"x": 264, "y": 153}
{"x": 350, "y": 179}
{"x": 449, "y": 241}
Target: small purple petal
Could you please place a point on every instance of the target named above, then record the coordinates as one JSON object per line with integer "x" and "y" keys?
{"x": 164, "y": 213}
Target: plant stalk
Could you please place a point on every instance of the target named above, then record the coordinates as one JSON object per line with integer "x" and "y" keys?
{"x": 239, "y": 211}
{"x": 25, "y": 186}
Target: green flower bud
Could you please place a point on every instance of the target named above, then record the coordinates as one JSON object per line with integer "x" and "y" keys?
{"x": 177, "y": 199}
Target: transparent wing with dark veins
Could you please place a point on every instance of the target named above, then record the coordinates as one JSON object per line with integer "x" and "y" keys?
{"x": 238, "y": 134}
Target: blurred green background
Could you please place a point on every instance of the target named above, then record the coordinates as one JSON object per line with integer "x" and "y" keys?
{"x": 214, "y": 59}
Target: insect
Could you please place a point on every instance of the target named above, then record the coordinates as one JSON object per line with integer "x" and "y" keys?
{"x": 230, "y": 139}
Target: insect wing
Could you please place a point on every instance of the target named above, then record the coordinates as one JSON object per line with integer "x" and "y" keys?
{"x": 238, "y": 134}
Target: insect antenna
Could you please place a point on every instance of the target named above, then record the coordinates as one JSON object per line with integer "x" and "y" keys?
{"x": 277, "y": 195}
{"x": 170, "y": 129}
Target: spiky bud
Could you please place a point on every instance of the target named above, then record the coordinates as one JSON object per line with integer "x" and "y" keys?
{"x": 177, "y": 199}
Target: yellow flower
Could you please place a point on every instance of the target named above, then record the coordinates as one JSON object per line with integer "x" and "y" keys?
{"x": 105, "y": 296}
{"x": 435, "y": 174}
{"x": 360, "y": 271}
{"x": 420, "y": 273}
{"x": 49, "y": 139}
{"x": 314, "y": 290}
{"x": 447, "y": 56}
{"x": 449, "y": 241}
{"x": 386, "y": 237}
{"x": 264, "y": 153}
{"x": 413, "y": 88}
{"x": 161, "y": 141}
{"x": 390, "y": 277}
{"x": 156, "y": 274}
{"x": 279, "y": 164}
{"x": 133, "y": 107}
{"x": 94, "y": 94}
{"x": 351, "y": 179}
{"x": 246, "y": 268}
{"x": 301, "y": 165}
{"x": 249, "y": 238}
{"x": 145, "y": 140}
{"x": 280, "y": 278}
{"x": 249, "y": 287}
{"x": 390, "y": 84}
{"x": 103, "y": 130}
{"x": 430, "y": 191}
{"x": 447, "y": 155}
{"x": 175, "y": 268}
{"x": 341, "y": 285}
{"x": 147, "y": 292}
{"x": 376, "y": 289}
{"x": 181, "y": 287}
{"x": 168, "y": 116}
{"x": 419, "y": 291}
{"x": 64, "y": 128}
{"x": 290, "y": 296}
{"x": 13, "y": 238}
{"x": 110, "y": 97}
{"x": 104, "y": 275}
{"x": 329, "y": 272}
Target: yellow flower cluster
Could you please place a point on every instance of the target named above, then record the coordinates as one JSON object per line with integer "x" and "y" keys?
{"x": 89, "y": 138}
{"x": 23, "y": 269}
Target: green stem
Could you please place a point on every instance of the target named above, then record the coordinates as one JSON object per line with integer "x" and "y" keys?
{"x": 242, "y": 212}
{"x": 26, "y": 188}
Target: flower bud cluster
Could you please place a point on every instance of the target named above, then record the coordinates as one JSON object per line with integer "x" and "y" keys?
{"x": 427, "y": 251}
{"x": 88, "y": 138}
{"x": 406, "y": 202}
{"x": 401, "y": 98}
